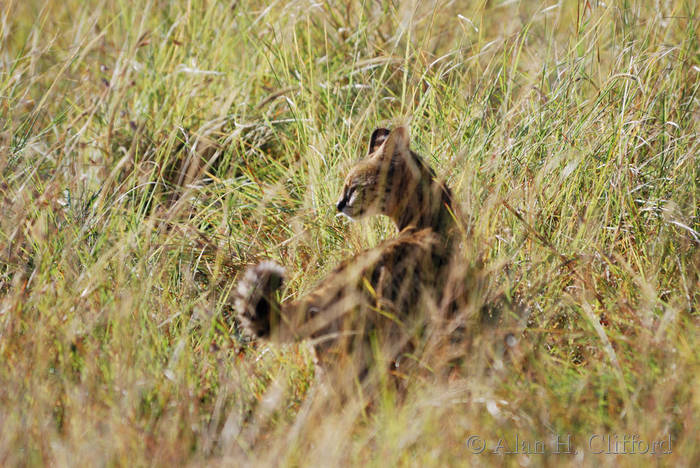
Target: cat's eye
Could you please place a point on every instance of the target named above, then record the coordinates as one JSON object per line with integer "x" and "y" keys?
{"x": 351, "y": 191}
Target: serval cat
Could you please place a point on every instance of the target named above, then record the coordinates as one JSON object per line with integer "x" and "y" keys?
{"x": 370, "y": 305}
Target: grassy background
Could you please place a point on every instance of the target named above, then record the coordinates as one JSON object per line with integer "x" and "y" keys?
{"x": 150, "y": 150}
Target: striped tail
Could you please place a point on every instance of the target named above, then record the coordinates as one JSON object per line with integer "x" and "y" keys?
{"x": 257, "y": 303}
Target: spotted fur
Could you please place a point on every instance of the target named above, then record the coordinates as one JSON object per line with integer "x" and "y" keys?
{"x": 370, "y": 303}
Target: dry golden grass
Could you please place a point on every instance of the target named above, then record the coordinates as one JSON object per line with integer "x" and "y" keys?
{"x": 150, "y": 150}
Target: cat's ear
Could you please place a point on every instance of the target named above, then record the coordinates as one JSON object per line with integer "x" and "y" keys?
{"x": 378, "y": 137}
{"x": 397, "y": 142}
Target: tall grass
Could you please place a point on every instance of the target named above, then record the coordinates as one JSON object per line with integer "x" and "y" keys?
{"x": 150, "y": 150}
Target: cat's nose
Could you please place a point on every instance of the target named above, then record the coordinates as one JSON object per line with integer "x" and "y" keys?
{"x": 341, "y": 204}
